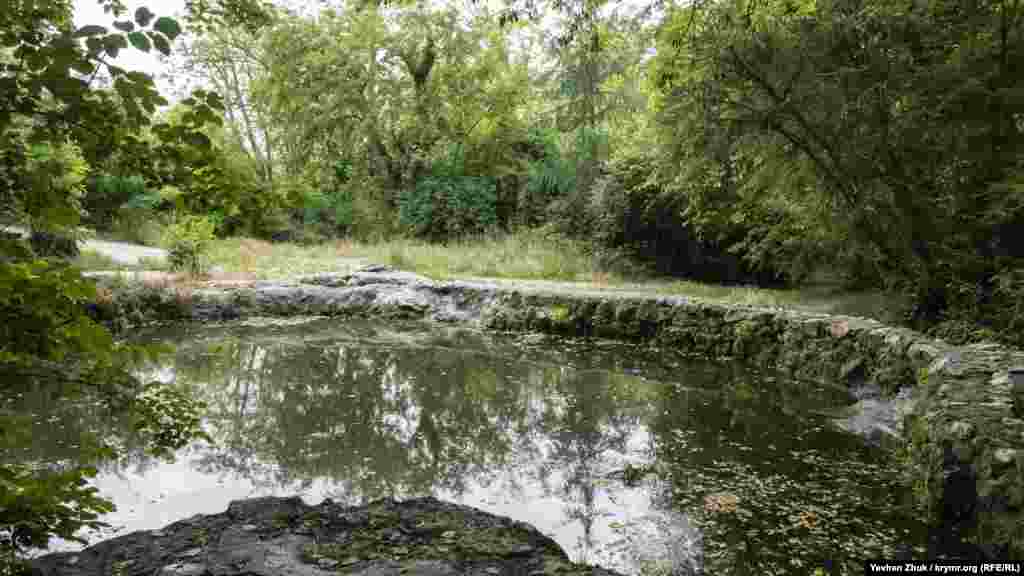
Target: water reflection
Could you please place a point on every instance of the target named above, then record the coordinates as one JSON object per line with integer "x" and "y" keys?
{"x": 611, "y": 449}
{"x": 410, "y": 414}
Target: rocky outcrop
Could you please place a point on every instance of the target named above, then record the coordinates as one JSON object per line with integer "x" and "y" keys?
{"x": 286, "y": 537}
{"x": 955, "y": 416}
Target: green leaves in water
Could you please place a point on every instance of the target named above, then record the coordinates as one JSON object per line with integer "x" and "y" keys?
{"x": 755, "y": 520}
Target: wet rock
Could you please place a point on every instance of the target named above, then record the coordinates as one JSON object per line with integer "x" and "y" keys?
{"x": 876, "y": 418}
{"x": 266, "y": 537}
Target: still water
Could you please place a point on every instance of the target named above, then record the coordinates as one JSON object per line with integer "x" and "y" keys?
{"x": 635, "y": 459}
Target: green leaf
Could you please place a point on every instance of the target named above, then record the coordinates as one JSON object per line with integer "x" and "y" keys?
{"x": 90, "y": 30}
{"x": 214, "y": 101}
{"x": 160, "y": 42}
{"x": 113, "y": 43}
{"x": 83, "y": 66}
{"x": 139, "y": 41}
{"x": 168, "y": 27}
{"x": 95, "y": 46}
{"x": 124, "y": 25}
{"x": 143, "y": 16}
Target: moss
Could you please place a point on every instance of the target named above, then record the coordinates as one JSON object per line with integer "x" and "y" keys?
{"x": 312, "y": 519}
{"x": 280, "y": 520}
{"x": 559, "y": 313}
{"x": 625, "y": 313}
{"x": 449, "y": 539}
{"x": 922, "y": 464}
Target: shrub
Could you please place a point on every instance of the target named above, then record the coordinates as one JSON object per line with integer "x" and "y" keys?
{"x": 187, "y": 242}
{"x": 328, "y": 213}
{"x": 55, "y": 182}
{"x": 448, "y": 207}
{"x": 107, "y": 194}
{"x": 550, "y": 178}
{"x": 138, "y": 220}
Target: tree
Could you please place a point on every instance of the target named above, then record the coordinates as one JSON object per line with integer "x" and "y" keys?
{"x": 892, "y": 127}
{"x": 229, "y": 60}
{"x": 51, "y": 120}
{"x": 388, "y": 93}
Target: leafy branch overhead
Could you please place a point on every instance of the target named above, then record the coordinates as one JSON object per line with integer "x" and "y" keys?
{"x": 68, "y": 111}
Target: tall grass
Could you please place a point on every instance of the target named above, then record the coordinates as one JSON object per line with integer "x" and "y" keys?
{"x": 526, "y": 255}
{"x": 530, "y": 255}
{"x": 247, "y": 257}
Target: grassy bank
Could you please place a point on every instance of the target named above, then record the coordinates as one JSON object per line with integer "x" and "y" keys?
{"x": 530, "y": 256}
{"x": 525, "y": 256}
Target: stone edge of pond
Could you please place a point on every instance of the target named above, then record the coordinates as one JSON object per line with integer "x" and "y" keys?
{"x": 285, "y": 536}
{"x": 963, "y": 449}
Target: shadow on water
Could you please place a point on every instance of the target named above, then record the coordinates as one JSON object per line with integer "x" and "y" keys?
{"x": 636, "y": 459}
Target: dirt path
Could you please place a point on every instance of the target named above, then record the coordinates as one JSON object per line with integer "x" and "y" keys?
{"x": 120, "y": 252}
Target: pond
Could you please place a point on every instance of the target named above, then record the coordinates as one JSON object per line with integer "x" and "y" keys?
{"x": 632, "y": 458}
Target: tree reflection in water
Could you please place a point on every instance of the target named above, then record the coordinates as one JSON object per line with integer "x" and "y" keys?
{"x": 611, "y": 448}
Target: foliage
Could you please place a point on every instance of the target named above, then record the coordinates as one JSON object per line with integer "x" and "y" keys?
{"x": 54, "y": 175}
{"x": 126, "y": 207}
{"x": 448, "y": 204}
{"x": 139, "y": 226}
{"x": 54, "y": 124}
{"x": 331, "y": 212}
{"x": 106, "y": 194}
{"x": 48, "y": 341}
{"x": 187, "y": 241}
{"x": 170, "y": 417}
{"x": 551, "y": 176}
{"x": 389, "y": 97}
{"x": 37, "y": 504}
{"x": 41, "y": 303}
{"x": 443, "y": 208}
{"x": 883, "y": 136}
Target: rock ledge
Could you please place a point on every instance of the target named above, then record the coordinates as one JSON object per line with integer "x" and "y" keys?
{"x": 285, "y": 537}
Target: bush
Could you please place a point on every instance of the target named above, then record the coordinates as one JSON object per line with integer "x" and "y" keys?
{"x": 139, "y": 221}
{"x": 550, "y": 178}
{"x": 107, "y": 194}
{"x": 448, "y": 207}
{"x": 187, "y": 242}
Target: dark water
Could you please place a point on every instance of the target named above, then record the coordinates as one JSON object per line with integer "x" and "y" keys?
{"x": 636, "y": 459}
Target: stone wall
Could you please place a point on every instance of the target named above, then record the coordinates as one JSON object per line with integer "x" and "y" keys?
{"x": 964, "y": 441}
